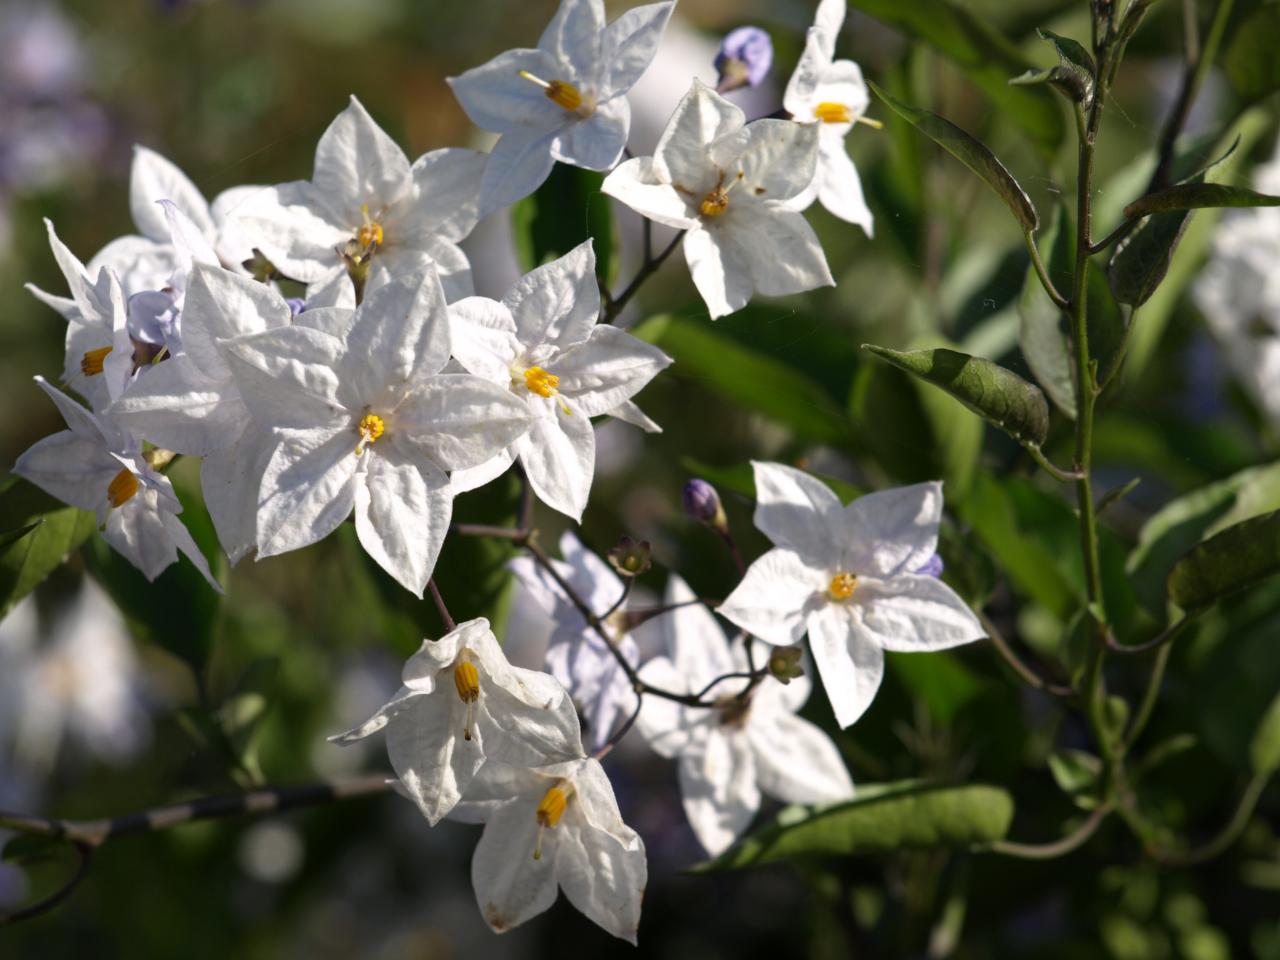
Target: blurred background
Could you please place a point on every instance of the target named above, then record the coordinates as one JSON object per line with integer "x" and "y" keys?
{"x": 116, "y": 695}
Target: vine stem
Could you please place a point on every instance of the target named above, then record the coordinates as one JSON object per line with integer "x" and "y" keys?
{"x": 1059, "y": 848}
{"x": 616, "y": 305}
{"x": 1225, "y": 837}
{"x": 1058, "y": 299}
{"x": 1018, "y": 665}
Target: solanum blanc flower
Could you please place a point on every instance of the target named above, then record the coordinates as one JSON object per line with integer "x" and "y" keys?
{"x": 565, "y": 100}
{"x": 364, "y": 199}
{"x": 833, "y": 93}
{"x": 577, "y": 656}
{"x": 95, "y": 465}
{"x": 542, "y": 343}
{"x": 727, "y": 183}
{"x": 848, "y": 575}
{"x": 461, "y": 705}
{"x": 553, "y": 827}
{"x": 748, "y": 743}
{"x": 362, "y": 422}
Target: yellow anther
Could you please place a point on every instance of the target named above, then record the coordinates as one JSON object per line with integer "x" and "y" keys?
{"x": 842, "y": 586}
{"x": 370, "y": 234}
{"x": 541, "y": 382}
{"x": 550, "y": 810}
{"x": 466, "y": 679}
{"x": 91, "y": 362}
{"x": 562, "y": 94}
{"x": 715, "y": 203}
{"x": 122, "y": 486}
{"x": 829, "y": 112}
{"x": 371, "y": 428}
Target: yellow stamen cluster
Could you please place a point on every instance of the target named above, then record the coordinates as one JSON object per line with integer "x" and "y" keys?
{"x": 466, "y": 679}
{"x": 91, "y": 362}
{"x": 715, "y": 203}
{"x": 370, "y": 233}
{"x": 541, "y": 382}
{"x": 370, "y": 429}
{"x": 829, "y": 112}
{"x": 122, "y": 486}
{"x": 549, "y": 812}
{"x": 842, "y": 586}
{"x": 562, "y": 94}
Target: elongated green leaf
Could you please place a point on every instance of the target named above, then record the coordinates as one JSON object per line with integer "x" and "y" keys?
{"x": 565, "y": 211}
{"x": 1197, "y": 196}
{"x": 1252, "y": 66}
{"x": 899, "y": 818}
{"x": 751, "y": 380}
{"x": 1064, "y": 79}
{"x": 42, "y": 532}
{"x": 986, "y": 388}
{"x": 1041, "y": 335}
{"x": 1074, "y": 75}
{"x": 1142, "y": 259}
{"x": 1264, "y": 749}
{"x": 972, "y": 153}
{"x": 1237, "y": 557}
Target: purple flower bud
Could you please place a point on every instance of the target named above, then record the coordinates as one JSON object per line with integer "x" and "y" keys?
{"x": 702, "y": 503}
{"x": 744, "y": 58}
{"x": 296, "y": 305}
{"x": 931, "y": 567}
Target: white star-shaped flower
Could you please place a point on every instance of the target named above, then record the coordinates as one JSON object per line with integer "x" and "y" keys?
{"x": 833, "y": 93}
{"x": 95, "y": 465}
{"x": 542, "y": 343}
{"x": 726, "y": 182}
{"x": 565, "y": 100}
{"x": 731, "y": 753}
{"x": 848, "y": 576}
{"x": 364, "y": 193}
{"x": 553, "y": 827}
{"x": 462, "y": 705}
{"x": 576, "y": 654}
{"x": 363, "y": 422}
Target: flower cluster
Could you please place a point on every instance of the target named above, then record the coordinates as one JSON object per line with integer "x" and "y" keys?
{"x": 388, "y": 388}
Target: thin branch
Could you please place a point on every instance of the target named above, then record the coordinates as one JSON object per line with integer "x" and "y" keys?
{"x": 616, "y": 304}
{"x": 752, "y": 675}
{"x": 1225, "y": 837}
{"x": 1058, "y": 299}
{"x": 616, "y": 737}
{"x": 627, "y": 584}
{"x": 1059, "y": 848}
{"x": 1029, "y": 676}
{"x": 1166, "y": 636}
{"x": 84, "y": 852}
{"x": 480, "y": 530}
{"x": 449, "y": 623}
{"x": 1116, "y": 234}
{"x": 1149, "y": 699}
{"x": 1049, "y": 467}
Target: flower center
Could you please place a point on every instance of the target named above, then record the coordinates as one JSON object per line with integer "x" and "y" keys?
{"x": 370, "y": 429}
{"x": 539, "y": 381}
{"x": 829, "y": 112}
{"x": 715, "y": 203}
{"x": 122, "y": 486}
{"x": 466, "y": 679}
{"x": 550, "y": 810}
{"x": 370, "y": 233}
{"x": 842, "y": 586}
{"x": 564, "y": 95}
{"x": 91, "y": 362}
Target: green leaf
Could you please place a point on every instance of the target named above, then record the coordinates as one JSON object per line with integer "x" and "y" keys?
{"x": 1041, "y": 334}
{"x": 1238, "y": 557}
{"x": 972, "y": 153}
{"x": 565, "y": 211}
{"x": 1252, "y": 67}
{"x": 988, "y": 389}
{"x": 988, "y": 56}
{"x": 1197, "y": 196}
{"x": 1142, "y": 259}
{"x": 747, "y": 378}
{"x": 1073, "y": 76}
{"x": 1076, "y": 774}
{"x": 42, "y": 533}
{"x": 1264, "y": 748}
{"x": 913, "y": 817}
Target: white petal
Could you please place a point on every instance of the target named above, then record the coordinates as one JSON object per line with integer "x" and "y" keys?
{"x": 443, "y": 202}
{"x": 702, "y": 117}
{"x": 604, "y": 878}
{"x": 233, "y": 243}
{"x": 153, "y": 178}
{"x": 719, "y": 270}
{"x": 230, "y": 479}
{"x": 357, "y": 163}
{"x": 473, "y": 478}
{"x": 558, "y": 302}
{"x": 296, "y": 232}
{"x": 530, "y": 736}
{"x": 696, "y": 643}
{"x": 636, "y": 184}
{"x": 74, "y": 469}
{"x": 912, "y": 613}
{"x": 286, "y": 376}
{"x": 574, "y": 34}
{"x": 839, "y": 188}
{"x": 850, "y": 663}
{"x": 511, "y": 886}
{"x": 402, "y": 511}
{"x": 460, "y": 421}
{"x": 606, "y": 370}
{"x": 595, "y": 143}
{"x": 774, "y": 597}
{"x": 176, "y": 407}
{"x": 308, "y": 488}
{"x": 182, "y": 539}
{"x": 517, "y": 166}
{"x": 828, "y": 20}
{"x": 559, "y": 456}
{"x": 798, "y": 512}
{"x": 667, "y": 726}
{"x": 890, "y": 532}
{"x": 628, "y": 412}
{"x": 718, "y": 789}
{"x": 630, "y": 43}
{"x": 497, "y": 98}
{"x": 430, "y": 756}
{"x": 795, "y": 761}
{"x": 141, "y": 263}
{"x": 483, "y": 334}
{"x": 138, "y": 533}
{"x": 779, "y": 159}
{"x": 779, "y": 249}
{"x": 220, "y": 305}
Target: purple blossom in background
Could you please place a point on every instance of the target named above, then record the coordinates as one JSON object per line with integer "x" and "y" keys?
{"x": 931, "y": 567}
{"x": 296, "y": 305}
{"x": 744, "y": 59}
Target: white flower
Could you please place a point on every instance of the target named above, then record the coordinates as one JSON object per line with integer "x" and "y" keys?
{"x": 833, "y": 93}
{"x": 191, "y": 404}
{"x": 576, "y": 654}
{"x": 462, "y": 705}
{"x": 565, "y": 100}
{"x": 97, "y": 466}
{"x": 847, "y": 575}
{"x": 72, "y": 677}
{"x": 726, "y": 183}
{"x": 363, "y": 192}
{"x": 542, "y": 343}
{"x": 362, "y": 421}
{"x": 556, "y": 826}
{"x": 729, "y": 754}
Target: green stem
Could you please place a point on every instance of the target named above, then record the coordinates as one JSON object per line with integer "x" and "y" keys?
{"x": 1228, "y": 835}
{"x": 1059, "y": 848}
{"x": 1149, "y": 699}
{"x": 1058, "y": 299}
